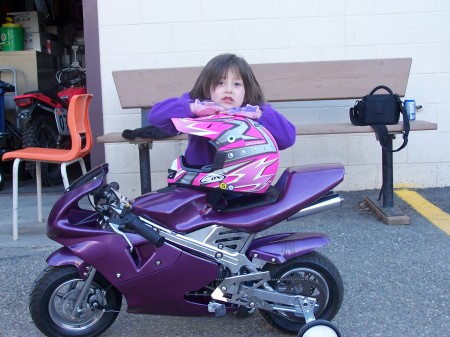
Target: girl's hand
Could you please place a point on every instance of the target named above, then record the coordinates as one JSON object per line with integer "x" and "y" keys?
{"x": 249, "y": 111}
{"x": 206, "y": 108}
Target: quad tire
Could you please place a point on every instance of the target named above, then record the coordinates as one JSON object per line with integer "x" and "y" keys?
{"x": 41, "y": 131}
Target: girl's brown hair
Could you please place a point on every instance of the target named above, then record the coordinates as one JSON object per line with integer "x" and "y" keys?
{"x": 216, "y": 69}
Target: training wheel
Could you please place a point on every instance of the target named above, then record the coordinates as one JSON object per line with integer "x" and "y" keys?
{"x": 319, "y": 328}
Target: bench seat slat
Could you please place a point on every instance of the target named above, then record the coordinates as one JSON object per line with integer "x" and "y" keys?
{"x": 281, "y": 82}
{"x": 305, "y": 129}
{"x": 344, "y": 128}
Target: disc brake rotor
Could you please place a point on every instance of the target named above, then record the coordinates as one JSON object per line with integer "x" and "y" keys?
{"x": 62, "y": 305}
{"x": 67, "y": 303}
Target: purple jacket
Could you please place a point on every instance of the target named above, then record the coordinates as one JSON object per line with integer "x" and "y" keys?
{"x": 199, "y": 151}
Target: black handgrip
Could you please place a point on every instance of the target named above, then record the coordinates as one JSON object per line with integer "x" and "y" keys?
{"x": 133, "y": 222}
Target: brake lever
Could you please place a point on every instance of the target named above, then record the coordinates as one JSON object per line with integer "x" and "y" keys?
{"x": 115, "y": 227}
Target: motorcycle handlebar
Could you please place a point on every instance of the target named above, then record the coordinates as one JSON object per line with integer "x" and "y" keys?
{"x": 133, "y": 222}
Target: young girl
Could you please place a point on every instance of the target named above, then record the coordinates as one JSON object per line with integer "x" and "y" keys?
{"x": 225, "y": 85}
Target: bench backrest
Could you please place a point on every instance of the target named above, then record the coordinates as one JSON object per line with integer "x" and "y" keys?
{"x": 281, "y": 82}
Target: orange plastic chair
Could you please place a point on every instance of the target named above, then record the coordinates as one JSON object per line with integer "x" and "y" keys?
{"x": 80, "y": 133}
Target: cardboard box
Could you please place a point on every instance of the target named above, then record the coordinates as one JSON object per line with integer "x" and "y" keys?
{"x": 45, "y": 42}
{"x": 33, "y": 41}
{"x": 30, "y": 21}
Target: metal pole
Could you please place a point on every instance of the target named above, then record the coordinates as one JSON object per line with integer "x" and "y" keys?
{"x": 388, "y": 175}
{"x": 144, "y": 165}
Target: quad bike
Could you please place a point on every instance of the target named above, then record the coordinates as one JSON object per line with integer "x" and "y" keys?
{"x": 45, "y": 118}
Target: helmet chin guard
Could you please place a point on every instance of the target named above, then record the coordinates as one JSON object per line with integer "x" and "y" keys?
{"x": 246, "y": 159}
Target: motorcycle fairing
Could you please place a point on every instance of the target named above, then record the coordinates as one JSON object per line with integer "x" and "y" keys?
{"x": 279, "y": 248}
{"x": 100, "y": 250}
{"x": 188, "y": 273}
{"x": 66, "y": 212}
{"x": 147, "y": 268}
{"x": 64, "y": 257}
{"x": 182, "y": 209}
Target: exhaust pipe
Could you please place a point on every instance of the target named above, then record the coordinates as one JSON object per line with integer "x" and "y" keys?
{"x": 329, "y": 201}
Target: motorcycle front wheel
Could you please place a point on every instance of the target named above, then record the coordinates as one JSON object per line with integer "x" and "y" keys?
{"x": 53, "y": 297}
{"x": 311, "y": 275}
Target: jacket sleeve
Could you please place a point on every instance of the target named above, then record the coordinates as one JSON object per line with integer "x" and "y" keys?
{"x": 161, "y": 113}
{"x": 279, "y": 126}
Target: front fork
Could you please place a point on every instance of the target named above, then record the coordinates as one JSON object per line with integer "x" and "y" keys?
{"x": 77, "y": 309}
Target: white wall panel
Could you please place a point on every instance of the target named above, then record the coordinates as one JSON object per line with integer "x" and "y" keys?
{"x": 172, "y": 33}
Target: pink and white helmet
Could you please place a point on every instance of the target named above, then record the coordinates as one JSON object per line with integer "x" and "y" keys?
{"x": 246, "y": 159}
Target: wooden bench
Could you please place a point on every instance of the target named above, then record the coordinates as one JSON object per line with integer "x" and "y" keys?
{"x": 281, "y": 82}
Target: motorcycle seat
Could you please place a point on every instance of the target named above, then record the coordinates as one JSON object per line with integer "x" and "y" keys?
{"x": 232, "y": 202}
{"x": 182, "y": 208}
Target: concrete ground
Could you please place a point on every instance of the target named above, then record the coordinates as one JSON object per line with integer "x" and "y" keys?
{"x": 396, "y": 278}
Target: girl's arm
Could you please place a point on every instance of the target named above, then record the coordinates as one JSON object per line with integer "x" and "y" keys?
{"x": 281, "y": 129}
{"x": 161, "y": 113}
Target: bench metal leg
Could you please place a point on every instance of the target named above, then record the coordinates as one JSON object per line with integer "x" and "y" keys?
{"x": 388, "y": 175}
{"x": 144, "y": 167}
{"x": 385, "y": 208}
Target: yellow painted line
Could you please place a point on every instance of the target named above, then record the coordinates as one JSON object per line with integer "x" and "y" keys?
{"x": 428, "y": 210}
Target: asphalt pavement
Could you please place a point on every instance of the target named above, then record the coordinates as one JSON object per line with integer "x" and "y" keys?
{"x": 396, "y": 278}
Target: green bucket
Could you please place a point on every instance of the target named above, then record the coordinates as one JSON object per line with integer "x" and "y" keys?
{"x": 11, "y": 37}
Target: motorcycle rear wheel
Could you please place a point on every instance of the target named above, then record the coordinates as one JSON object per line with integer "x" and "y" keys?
{"x": 311, "y": 275}
{"x": 41, "y": 131}
{"x": 53, "y": 296}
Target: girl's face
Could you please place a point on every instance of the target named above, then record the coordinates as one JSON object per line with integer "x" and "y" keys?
{"x": 229, "y": 92}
